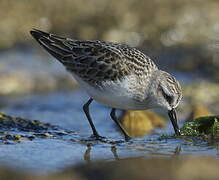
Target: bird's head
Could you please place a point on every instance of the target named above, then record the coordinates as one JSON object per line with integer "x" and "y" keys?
{"x": 167, "y": 94}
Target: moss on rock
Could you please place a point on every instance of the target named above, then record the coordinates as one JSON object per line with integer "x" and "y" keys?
{"x": 207, "y": 125}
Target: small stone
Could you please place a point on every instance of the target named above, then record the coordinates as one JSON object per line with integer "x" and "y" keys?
{"x": 9, "y": 137}
{"x": 46, "y": 134}
{"x": 17, "y": 137}
{"x": 31, "y": 137}
{"x": 61, "y": 133}
{"x": 140, "y": 123}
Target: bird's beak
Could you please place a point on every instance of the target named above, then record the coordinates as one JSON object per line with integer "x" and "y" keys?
{"x": 173, "y": 118}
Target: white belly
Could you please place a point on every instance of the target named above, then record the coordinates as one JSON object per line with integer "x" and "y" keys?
{"x": 115, "y": 95}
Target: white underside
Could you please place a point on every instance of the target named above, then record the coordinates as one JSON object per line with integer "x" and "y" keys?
{"x": 113, "y": 94}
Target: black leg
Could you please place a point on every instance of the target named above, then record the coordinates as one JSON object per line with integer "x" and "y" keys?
{"x": 114, "y": 151}
{"x": 86, "y": 111}
{"x": 114, "y": 118}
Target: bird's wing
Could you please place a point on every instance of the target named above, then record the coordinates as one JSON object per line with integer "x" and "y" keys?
{"x": 94, "y": 61}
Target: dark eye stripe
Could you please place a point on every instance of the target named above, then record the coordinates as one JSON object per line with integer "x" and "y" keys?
{"x": 168, "y": 98}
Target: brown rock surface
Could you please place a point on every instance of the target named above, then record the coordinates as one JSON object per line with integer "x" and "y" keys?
{"x": 198, "y": 111}
{"x": 140, "y": 123}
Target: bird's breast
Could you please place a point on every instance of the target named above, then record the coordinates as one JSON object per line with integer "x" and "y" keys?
{"x": 117, "y": 94}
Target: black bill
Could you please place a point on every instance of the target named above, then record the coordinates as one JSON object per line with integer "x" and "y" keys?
{"x": 173, "y": 118}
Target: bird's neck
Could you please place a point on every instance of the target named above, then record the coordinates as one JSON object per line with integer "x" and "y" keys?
{"x": 153, "y": 82}
{"x": 151, "y": 89}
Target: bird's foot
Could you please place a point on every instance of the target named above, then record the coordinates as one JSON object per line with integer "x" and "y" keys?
{"x": 127, "y": 138}
{"x": 98, "y": 137}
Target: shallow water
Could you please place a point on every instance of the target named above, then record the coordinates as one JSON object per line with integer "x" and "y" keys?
{"x": 43, "y": 155}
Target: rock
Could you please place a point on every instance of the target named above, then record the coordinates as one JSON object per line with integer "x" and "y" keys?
{"x": 140, "y": 123}
{"x": 22, "y": 124}
{"x": 13, "y": 137}
{"x": 207, "y": 125}
{"x": 14, "y": 130}
{"x": 157, "y": 121}
{"x": 198, "y": 111}
{"x": 43, "y": 135}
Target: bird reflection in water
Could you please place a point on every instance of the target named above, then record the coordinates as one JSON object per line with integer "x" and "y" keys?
{"x": 87, "y": 154}
{"x": 87, "y": 157}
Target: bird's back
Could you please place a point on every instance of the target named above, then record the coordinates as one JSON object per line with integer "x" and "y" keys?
{"x": 96, "y": 61}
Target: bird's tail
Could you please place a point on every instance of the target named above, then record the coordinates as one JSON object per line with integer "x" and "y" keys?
{"x": 55, "y": 45}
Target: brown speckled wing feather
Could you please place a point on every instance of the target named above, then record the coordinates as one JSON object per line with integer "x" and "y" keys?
{"x": 95, "y": 61}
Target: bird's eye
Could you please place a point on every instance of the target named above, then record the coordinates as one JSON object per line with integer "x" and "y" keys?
{"x": 168, "y": 98}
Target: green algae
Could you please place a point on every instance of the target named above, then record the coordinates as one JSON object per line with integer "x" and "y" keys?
{"x": 198, "y": 130}
{"x": 207, "y": 125}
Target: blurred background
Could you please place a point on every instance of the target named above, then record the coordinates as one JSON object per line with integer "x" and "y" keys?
{"x": 181, "y": 36}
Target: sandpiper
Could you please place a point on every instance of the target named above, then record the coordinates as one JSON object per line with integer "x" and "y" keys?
{"x": 114, "y": 74}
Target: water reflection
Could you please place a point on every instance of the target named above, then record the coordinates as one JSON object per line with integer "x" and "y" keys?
{"x": 87, "y": 154}
{"x": 114, "y": 151}
{"x": 177, "y": 150}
